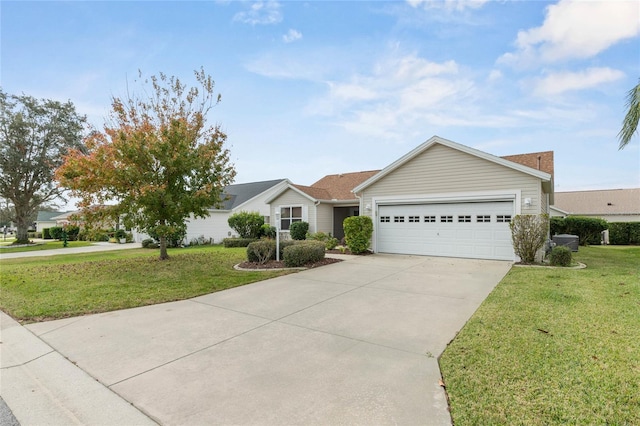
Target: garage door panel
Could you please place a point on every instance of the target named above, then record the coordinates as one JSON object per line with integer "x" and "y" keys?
{"x": 475, "y": 230}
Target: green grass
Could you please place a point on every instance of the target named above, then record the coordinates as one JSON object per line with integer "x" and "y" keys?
{"x": 6, "y": 241}
{"x": 39, "y": 289}
{"x": 49, "y": 245}
{"x": 552, "y": 346}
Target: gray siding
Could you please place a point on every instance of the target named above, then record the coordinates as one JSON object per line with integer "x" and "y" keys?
{"x": 441, "y": 170}
{"x": 324, "y": 218}
{"x": 292, "y": 198}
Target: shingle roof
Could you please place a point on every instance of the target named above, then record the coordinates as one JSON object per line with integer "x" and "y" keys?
{"x": 536, "y": 160}
{"x": 336, "y": 187}
{"x": 240, "y": 193}
{"x": 47, "y": 216}
{"x": 600, "y": 202}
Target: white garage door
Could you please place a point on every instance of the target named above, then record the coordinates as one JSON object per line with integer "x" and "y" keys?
{"x": 477, "y": 230}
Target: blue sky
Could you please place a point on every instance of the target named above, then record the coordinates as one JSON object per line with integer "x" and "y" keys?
{"x": 311, "y": 88}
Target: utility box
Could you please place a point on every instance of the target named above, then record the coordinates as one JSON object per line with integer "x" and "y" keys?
{"x": 566, "y": 240}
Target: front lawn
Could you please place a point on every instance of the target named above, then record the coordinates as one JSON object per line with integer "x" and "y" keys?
{"x": 552, "y": 346}
{"x": 49, "y": 245}
{"x": 38, "y": 289}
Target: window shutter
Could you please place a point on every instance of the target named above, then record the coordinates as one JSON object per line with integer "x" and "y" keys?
{"x": 305, "y": 213}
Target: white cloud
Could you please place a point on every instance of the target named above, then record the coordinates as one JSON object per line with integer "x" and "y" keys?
{"x": 451, "y": 5}
{"x": 561, "y": 82}
{"x": 261, "y": 12}
{"x": 576, "y": 29}
{"x": 291, "y": 36}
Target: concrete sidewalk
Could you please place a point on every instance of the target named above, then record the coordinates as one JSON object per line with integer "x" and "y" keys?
{"x": 95, "y": 247}
{"x": 350, "y": 343}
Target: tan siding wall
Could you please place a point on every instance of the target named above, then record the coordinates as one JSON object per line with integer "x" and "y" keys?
{"x": 292, "y": 198}
{"x": 441, "y": 169}
{"x": 324, "y": 219}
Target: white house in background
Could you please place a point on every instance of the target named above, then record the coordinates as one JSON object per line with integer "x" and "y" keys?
{"x": 249, "y": 197}
{"x": 51, "y": 219}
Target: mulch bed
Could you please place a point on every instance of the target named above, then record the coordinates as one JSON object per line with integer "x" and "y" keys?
{"x": 347, "y": 251}
{"x": 280, "y": 265}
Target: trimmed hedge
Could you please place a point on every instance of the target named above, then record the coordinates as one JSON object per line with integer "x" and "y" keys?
{"x": 588, "y": 229}
{"x": 302, "y": 253}
{"x": 560, "y": 256}
{"x": 246, "y": 224}
{"x": 237, "y": 242}
{"x": 358, "y": 231}
{"x": 624, "y": 233}
{"x": 262, "y": 251}
{"x": 46, "y": 235}
{"x": 55, "y": 232}
{"x": 252, "y": 253}
{"x": 298, "y": 230}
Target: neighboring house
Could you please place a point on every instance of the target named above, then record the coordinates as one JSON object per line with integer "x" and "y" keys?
{"x": 48, "y": 219}
{"x": 613, "y": 205}
{"x": 447, "y": 199}
{"x": 324, "y": 205}
{"x": 249, "y": 197}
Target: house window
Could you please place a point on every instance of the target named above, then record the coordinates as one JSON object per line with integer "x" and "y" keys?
{"x": 429, "y": 219}
{"x": 483, "y": 218}
{"x": 414, "y": 219}
{"x": 385, "y": 219}
{"x": 398, "y": 219}
{"x": 465, "y": 218}
{"x": 288, "y": 215}
{"x": 503, "y": 218}
{"x": 446, "y": 219}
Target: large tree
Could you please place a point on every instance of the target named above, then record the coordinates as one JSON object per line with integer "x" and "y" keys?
{"x": 34, "y": 136}
{"x": 630, "y": 122}
{"x": 156, "y": 162}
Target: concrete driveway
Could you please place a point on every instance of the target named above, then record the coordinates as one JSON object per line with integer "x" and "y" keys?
{"x": 351, "y": 343}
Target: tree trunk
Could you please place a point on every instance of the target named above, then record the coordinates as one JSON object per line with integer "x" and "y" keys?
{"x": 23, "y": 221}
{"x": 163, "y": 248}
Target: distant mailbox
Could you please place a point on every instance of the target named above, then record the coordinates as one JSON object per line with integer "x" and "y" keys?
{"x": 567, "y": 240}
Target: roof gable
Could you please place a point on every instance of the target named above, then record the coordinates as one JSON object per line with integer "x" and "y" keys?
{"x": 545, "y": 177}
{"x": 238, "y": 194}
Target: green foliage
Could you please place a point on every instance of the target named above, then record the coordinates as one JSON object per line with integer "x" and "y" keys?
{"x": 35, "y": 135}
{"x": 630, "y": 122}
{"x": 588, "y": 229}
{"x": 72, "y": 232}
{"x": 268, "y": 231}
{"x": 560, "y": 256}
{"x": 56, "y": 232}
{"x": 149, "y": 243}
{"x": 251, "y": 257}
{"x": 174, "y": 234}
{"x": 557, "y": 225}
{"x": 624, "y": 233}
{"x": 156, "y": 157}
{"x": 303, "y": 253}
{"x": 237, "y": 242}
{"x": 261, "y": 251}
{"x": 329, "y": 242}
{"x": 529, "y": 233}
{"x": 46, "y": 233}
{"x": 298, "y": 230}
{"x": 357, "y": 232}
{"x": 120, "y": 233}
{"x": 246, "y": 224}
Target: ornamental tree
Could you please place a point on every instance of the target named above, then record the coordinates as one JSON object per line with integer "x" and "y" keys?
{"x": 156, "y": 162}
{"x": 34, "y": 136}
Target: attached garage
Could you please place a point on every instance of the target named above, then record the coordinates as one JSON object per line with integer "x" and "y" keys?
{"x": 447, "y": 199}
{"x": 472, "y": 229}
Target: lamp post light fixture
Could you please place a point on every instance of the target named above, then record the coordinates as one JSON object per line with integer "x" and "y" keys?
{"x": 277, "y": 236}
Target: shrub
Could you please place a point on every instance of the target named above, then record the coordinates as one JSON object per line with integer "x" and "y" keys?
{"x": 149, "y": 243}
{"x": 251, "y": 256}
{"x": 624, "y": 233}
{"x": 56, "y": 232}
{"x": 72, "y": 232}
{"x": 529, "y": 233}
{"x": 331, "y": 243}
{"x": 46, "y": 234}
{"x": 175, "y": 237}
{"x": 268, "y": 231}
{"x": 262, "y": 251}
{"x": 319, "y": 236}
{"x": 303, "y": 253}
{"x": 557, "y": 225}
{"x": 560, "y": 256}
{"x": 34, "y": 234}
{"x": 237, "y": 242}
{"x": 246, "y": 224}
{"x": 298, "y": 230}
{"x": 357, "y": 233}
{"x": 120, "y": 233}
{"x": 201, "y": 241}
{"x": 588, "y": 229}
